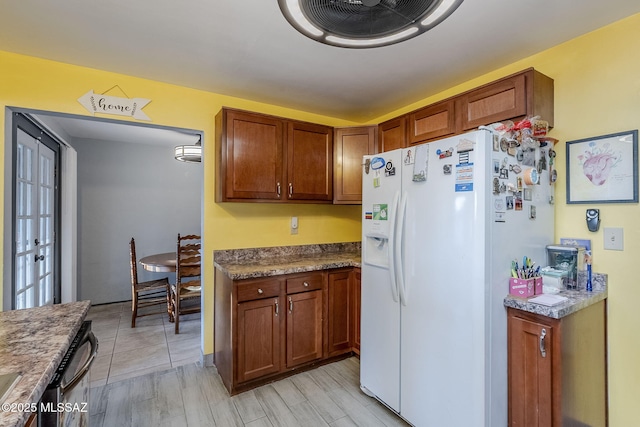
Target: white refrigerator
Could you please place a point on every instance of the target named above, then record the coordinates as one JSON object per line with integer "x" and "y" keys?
{"x": 441, "y": 224}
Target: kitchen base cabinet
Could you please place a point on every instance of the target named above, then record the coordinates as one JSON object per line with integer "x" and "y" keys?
{"x": 258, "y": 339}
{"x": 340, "y": 301}
{"x": 304, "y": 328}
{"x": 355, "y": 321}
{"x": 557, "y": 368}
{"x": 272, "y": 327}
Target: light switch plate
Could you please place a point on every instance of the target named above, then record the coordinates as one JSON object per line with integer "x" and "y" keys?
{"x": 613, "y": 239}
{"x": 294, "y": 225}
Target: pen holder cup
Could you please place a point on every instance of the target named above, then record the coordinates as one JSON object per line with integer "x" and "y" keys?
{"x": 522, "y": 287}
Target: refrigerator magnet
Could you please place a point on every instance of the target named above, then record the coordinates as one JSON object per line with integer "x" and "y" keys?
{"x": 509, "y": 200}
{"x": 389, "y": 169}
{"x": 409, "y": 158}
{"x": 464, "y": 145}
{"x": 377, "y": 163}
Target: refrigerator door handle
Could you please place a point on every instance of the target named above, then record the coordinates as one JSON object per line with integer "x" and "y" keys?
{"x": 392, "y": 244}
{"x": 402, "y": 213}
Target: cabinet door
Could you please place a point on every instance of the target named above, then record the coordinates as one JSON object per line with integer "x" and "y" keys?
{"x": 350, "y": 145}
{"x": 340, "y": 311}
{"x": 355, "y": 318}
{"x": 304, "y": 327}
{"x": 392, "y": 134}
{"x": 258, "y": 336}
{"x": 502, "y": 100}
{"x": 431, "y": 122}
{"x": 530, "y": 373}
{"x": 252, "y": 156}
{"x": 309, "y": 162}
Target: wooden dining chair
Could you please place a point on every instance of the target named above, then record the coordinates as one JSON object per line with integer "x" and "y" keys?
{"x": 185, "y": 294}
{"x": 146, "y": 294}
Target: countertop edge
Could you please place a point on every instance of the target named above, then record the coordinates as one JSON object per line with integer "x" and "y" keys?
{"x": 278, "y": 269}
{"x": 578, "y": 301}
{"x": 18, "y": 396}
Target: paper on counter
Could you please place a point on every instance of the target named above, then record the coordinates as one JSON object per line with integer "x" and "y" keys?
{"x": 548, "y": 300}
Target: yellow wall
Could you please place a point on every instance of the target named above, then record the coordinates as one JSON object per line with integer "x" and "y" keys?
{"x": 33, "y": 83}
{"x": 597, "y": 91}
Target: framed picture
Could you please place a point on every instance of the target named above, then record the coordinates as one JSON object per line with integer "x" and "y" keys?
{"x": 603, "y": 169}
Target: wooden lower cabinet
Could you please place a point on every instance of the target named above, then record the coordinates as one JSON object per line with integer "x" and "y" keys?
{"x": 557, "y": 368}
{"x": 344, "y": 312}
{"x": 271, "y": 327}
{"x": 355, "y": 322}
{"x": 340, "y": 313}
{"x": 258, "y": 338}
{"x": 304, "y": 328}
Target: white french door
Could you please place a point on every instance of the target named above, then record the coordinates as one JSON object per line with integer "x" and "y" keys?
{"x": 35, "y": 259}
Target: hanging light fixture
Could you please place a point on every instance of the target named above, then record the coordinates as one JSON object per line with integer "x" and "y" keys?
{"x": 190, "y": 153}
{"x": 363, "y": 24}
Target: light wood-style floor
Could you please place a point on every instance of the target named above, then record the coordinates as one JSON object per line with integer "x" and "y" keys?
{"x": 187, "y": 394}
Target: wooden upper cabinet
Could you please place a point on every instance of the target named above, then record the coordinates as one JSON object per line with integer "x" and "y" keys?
{"x": 309, "y": 162}
{"x": 528, "y": 93}
{"x": 270, "y": 159}
{"x": 350, "y": 145}
{"x": 431, "y": 122}
{"x": 499, "y": 101}
{"x": 392, "y": 134}
{"x": 249, "y": 149}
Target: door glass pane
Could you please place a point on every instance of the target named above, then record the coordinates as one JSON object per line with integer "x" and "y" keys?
{"x": 34, "y": 221}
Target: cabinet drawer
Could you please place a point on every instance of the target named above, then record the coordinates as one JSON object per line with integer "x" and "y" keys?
{"x": 309, "y": 282}
{"x": 258, "y": 290}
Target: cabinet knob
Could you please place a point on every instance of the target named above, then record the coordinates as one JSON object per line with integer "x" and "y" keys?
{"x": 260, "y": 291}
{"x": 306, "y": 285}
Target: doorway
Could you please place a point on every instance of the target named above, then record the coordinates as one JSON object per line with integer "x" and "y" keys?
{"x": 36, "y": 216}
{"x": 162, "y": 199}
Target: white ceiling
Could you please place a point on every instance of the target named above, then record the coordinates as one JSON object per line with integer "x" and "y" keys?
{"x": 71, "y": 129}
{"x": 247, "y": 49}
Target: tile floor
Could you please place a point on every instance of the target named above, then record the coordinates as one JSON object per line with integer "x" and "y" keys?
{"x": 151, "y": 346}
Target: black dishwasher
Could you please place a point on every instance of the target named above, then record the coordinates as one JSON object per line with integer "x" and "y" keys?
{"x": 65, "y": 402}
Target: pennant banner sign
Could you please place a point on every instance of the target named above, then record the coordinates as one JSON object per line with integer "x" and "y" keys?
{"x": 105, "y": 104}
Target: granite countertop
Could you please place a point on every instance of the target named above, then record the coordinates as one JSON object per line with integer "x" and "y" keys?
{"x": 240, "y": 264}
{"x": 32, "y": 343}
{"x": 577, "y": 299}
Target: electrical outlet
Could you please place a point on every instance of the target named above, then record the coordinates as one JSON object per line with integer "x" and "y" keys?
{"x": 613, "y": 239}
{"x": 294, "y": 225}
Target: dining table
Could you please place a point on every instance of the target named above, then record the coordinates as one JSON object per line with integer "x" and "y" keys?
{"x": 159, "y": 263}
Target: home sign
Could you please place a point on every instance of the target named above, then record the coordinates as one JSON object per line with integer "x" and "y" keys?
{"x": 105, "y": 104}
